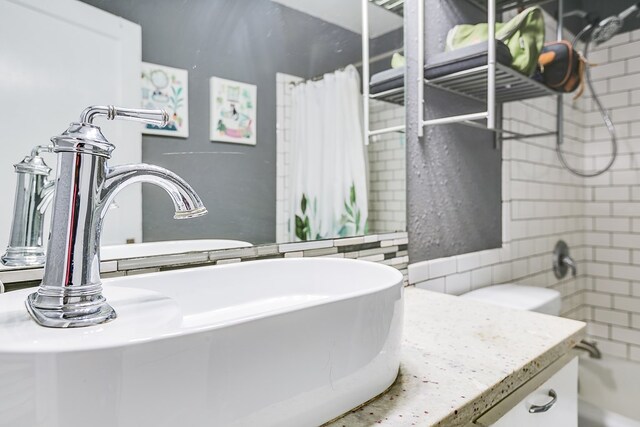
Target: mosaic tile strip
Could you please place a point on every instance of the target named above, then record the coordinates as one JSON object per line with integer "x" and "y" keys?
{"x": 387, "y": 248}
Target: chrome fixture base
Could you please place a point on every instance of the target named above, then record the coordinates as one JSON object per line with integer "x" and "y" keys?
{"x": 62, "y": 318}
{"x": 24, "y": 257}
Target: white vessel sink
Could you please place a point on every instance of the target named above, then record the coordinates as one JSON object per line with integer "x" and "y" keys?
{"x": 136, "y": 250}
{"x": 292, "y": 342}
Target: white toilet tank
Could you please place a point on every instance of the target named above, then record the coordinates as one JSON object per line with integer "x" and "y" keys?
{"x": 522, "y": 297}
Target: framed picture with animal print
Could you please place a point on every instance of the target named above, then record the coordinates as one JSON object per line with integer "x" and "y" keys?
{"x": 233, "y": 111}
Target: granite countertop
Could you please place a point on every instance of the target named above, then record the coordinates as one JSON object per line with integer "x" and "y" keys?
{"x": 461, "y": 357}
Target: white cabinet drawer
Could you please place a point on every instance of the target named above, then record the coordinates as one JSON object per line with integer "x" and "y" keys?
{"x": 562, "y": 413}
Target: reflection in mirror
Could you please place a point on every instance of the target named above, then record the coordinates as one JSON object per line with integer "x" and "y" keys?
{"x": 330, "y": 183}
{"x": 266, "y": 106}
{"x": 149, "y": 249}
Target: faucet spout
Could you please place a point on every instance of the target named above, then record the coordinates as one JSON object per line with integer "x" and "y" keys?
{"x": 569, "y": 262}
{"x": 186, "y": 201}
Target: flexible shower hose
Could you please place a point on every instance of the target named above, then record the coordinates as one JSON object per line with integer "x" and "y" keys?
{"x": 607, "y": 121}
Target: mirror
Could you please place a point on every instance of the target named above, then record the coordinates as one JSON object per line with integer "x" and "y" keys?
{"x": 266, "y": 105}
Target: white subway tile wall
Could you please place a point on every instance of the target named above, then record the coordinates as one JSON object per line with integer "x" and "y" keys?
{"x": 284, "y": 84}
{"x": 387, "y": 169}
{"x": 612, "y": 201}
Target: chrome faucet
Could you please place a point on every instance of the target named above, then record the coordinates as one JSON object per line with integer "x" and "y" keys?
{"x": 70, "y": 294}
{"x": 34, "y": 193}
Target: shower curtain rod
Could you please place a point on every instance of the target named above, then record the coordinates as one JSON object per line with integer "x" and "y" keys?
{"x": 355, "y": 64}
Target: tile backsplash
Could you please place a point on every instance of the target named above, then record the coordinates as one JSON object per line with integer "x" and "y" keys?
{"x": 387, "y": 248}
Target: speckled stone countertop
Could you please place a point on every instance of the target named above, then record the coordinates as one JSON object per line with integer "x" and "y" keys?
{"x": 461, "y": 357}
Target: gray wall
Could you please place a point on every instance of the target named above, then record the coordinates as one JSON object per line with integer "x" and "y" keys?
{"x": 453, "y": 172}
{"x": 249, "y": 41}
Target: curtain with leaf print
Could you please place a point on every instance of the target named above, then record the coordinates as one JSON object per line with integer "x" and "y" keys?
{"x": 328, "y": 178}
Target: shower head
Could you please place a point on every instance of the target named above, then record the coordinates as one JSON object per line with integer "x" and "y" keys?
{"x": 609, "y": 27}
{"x": 606, "y": 29}
{"x": 602, "y": 30}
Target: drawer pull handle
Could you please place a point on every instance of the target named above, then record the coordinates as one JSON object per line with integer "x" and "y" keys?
{"x": 536, "y": 409}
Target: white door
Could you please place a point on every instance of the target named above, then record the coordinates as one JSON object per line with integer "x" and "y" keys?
{"x": 56, "y": 58}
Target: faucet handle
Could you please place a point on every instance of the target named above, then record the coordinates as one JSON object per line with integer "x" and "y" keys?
{"x": 35, "y": 151}
{"x": 562, "y": 261}
{"x": 154, "y": 117}
{"x": 84, "y": 137}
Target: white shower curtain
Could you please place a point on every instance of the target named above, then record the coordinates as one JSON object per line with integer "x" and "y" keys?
{"x": 328, "y": 183}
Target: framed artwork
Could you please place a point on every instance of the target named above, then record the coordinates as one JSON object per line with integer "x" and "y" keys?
{"x": 166, "y": 88}
{"x": 233, "y": 111}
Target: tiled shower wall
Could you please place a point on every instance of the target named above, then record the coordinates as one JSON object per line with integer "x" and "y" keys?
{"x": 386, "y": 155}
{"x": 387, "y": 169}
{"x": 284, "y": 84}
{"x": 612, "y": 208}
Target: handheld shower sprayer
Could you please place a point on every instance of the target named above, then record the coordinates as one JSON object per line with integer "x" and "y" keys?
{"x": 602, "y": 30}
{"x": 598, "y": 31}
{"x": 610, "y": 26}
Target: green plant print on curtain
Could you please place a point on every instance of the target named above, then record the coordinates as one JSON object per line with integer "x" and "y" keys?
{"x": 351, "y": 220}
{"x": 303, "y": 222}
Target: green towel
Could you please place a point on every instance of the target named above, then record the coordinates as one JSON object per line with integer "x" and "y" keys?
{"x": 397, "y": 60}
{"x": 523, "y": 35}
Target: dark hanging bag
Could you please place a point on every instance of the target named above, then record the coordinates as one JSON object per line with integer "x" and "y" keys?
{"x": 562, "y": 67}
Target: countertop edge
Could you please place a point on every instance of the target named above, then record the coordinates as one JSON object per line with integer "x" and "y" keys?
{"x": 470, "y": 412}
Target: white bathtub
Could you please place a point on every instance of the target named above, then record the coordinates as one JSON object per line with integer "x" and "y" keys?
{"x": 609, "y": 391}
